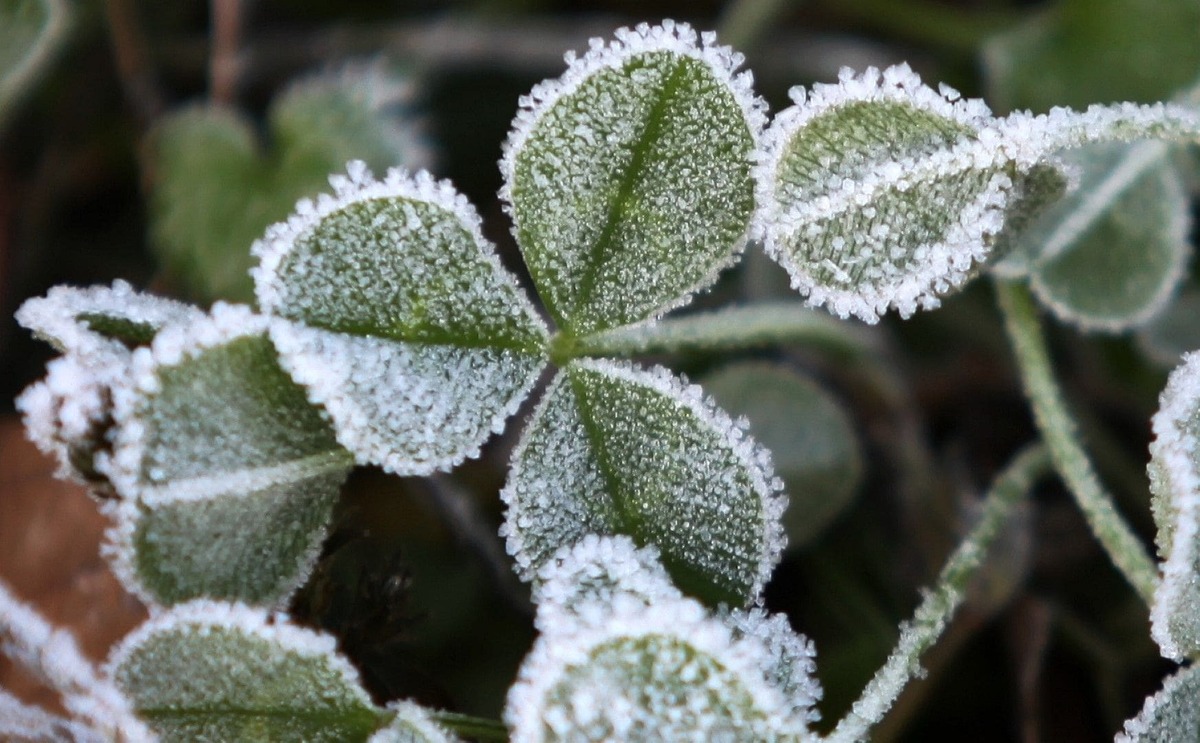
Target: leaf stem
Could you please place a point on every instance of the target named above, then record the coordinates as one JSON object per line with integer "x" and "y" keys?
{"x": 939, "y": 605}
{"x": 731, "y": 329}
{"x": 1056, "y": 425}
{"x": 478, "y": 728}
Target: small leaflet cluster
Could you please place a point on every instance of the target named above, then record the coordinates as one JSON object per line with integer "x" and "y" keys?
{"x": 623, "y": 655}
{"x": 1175, "y": 484}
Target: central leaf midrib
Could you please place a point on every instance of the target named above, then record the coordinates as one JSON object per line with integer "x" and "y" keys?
{"x": 533, "y": 346}
{"x": 294, "y": 470}
{"x": 603, "y": 460}
{"x": 597, "y": 256}
{"x": 304, "y": 714}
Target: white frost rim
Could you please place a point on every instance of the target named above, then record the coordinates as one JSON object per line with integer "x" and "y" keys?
{"x": 1137, "y": 728}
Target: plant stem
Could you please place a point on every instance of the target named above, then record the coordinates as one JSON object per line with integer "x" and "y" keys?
{"x": 939, "y": 605}
{"x": 731, "y": 329}
{"x": 478, "y": 728}
{"x": 1060, "y": 432}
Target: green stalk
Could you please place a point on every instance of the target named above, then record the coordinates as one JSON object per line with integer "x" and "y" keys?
{"x": 1060, "y": 432}
{"x": 474, "y": 728}
{"x": 939, "y": 605}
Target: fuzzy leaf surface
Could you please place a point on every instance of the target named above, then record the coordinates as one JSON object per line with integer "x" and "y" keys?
{"x": 1175, "y": 487}
{"x": 1169, "y": 715}
{"x": 217, "y": 187}
{"x": 628, "y": 179}
{"x": 396, "y": 315}
{"x": 809, "y": 434}
{"x": 214, "y": 671}
{"x": 615, "y": 449}
{"x": 228, "y": 474}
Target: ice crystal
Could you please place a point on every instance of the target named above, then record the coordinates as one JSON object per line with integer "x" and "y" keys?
{"x": 1175, "y": 483}
{"x": 614, "y": 449}
{"x": 394, "y": 312}
{"x": 628, "y": 178}
{"x": 217, "y": 671}
{"x": 211, "y": 433}
{"x": 1170, "y": 715}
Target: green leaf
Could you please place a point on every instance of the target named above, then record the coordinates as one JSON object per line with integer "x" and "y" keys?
{"x": 614, "y": 449}
{"x": 637, "y": 661}
{"x": 216, "y": 187}
{"x": 878, "y": 192}
{"x": 216, "y": 671}
{"x": 1170, "y": 715}
{"x": 1175, "y": 331}
{"x": 395, "y": 313}
{"x": 1149, "y": 52}
{"x": 31, "y": 31}
{"x": 1175, "y": 486}
{"x": 628, "y": 178}
{"x": 411, "y": 724}
{"x": 228, "y": 474}
{"x": 810, "y": 436}
{"x": 1110, "y": 255}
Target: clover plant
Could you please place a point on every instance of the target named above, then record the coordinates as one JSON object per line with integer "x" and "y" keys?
{"x": 388, "y": 332}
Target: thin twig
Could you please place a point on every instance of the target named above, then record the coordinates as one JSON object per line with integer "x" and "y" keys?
{"x": 138, "y": 78}
{"x": 224, "y": 66}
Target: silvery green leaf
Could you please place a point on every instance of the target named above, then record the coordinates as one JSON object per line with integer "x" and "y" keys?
{"x": 1174, "y": 331}
{"x": 789, "y": 663}
{"x": 411, "y": 724}
{"x": 1175, "y": 485}
{"x": 637, "y": 671}
{"x": 1110, "y": 255}
{"x": 811, "y": 438}
{"x": 228, "y": 474}
{"x": 31, "y": 31}
{"x": 1172, "y": 714}
{"x": 615, "y": 449}
{"x": 879, "y": 192}
{"x": 628, "y": 178}
{"x": 209, "y": 671}
{"x": 68, "y": 414}
{"x": 216, "y": 187}
{"x": 394, "y": 312}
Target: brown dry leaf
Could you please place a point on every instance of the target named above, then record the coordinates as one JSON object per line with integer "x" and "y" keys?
{"x": 50, "y": 533}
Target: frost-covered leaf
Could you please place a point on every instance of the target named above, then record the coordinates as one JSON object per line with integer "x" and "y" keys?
{"x": 614, "y": 449}
{"x": 1149, "y": 52}
{"x": 628, "y": 178}
{"x": 1173, "y": 714}
{"x": 215, "y": 671}
{"x": 228, "y": 473}
{"x": 809, "y": 434}
{"x": 68, "y": 413}
{"x": 637, "y": 671}
{"x": 216, "y": 187}
{"x": 396, "y": 314}
{"x": 1175, "y": 331}
{"x": 411, "y": 724}
{"x": 879, "y": 192}
{"x": 1110, "y": 255}
{"x": 31, "y": 31}
{"x": 789, "y": 663}
{"x": 1175, "y": 484}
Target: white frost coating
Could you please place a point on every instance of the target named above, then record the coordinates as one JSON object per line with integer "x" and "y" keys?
{"x": 21, "y": 723}
{"x": 569, "y": 650}
{"x": 201, "y": 616}
{"x": 414, "y": 408}
{"x": 359, "y": 185}
{"x": 1175, "y": 482}
{"x": 53, "y": 656}
{"x": 790, "y": 658}
{"x": 412, "y": 724}
{"x": 53, "y": 317}
{"x": 1174, "y": 703}
{"x": 679, "y": 38}
{"x": 173, "y": 345}
{"x": 594, "y": 571}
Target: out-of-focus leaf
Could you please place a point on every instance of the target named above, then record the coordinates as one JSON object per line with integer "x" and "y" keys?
{"x": 809, "y": 434}
{"x": 393, "y": 310}
{"x": 30, "y": 32}
{"x": 614, "y": 449}
{"x": 628, "y": 178}
{"x": 228, "y": 475}
{"x": 1077, "y": 52}
{"x": 216, "y": 187}
{"x": 214, "y": 671}
{"x": 1175, "y": 331}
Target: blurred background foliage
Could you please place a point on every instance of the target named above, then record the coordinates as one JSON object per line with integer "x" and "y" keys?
{"x": 154, "y": 141}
